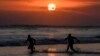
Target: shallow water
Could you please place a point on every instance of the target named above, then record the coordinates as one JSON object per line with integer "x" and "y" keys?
{"x": 57, "y": 50}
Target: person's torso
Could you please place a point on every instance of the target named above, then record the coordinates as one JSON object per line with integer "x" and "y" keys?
{"x": 31, "y": 41}
{"x": 71, "y": 40}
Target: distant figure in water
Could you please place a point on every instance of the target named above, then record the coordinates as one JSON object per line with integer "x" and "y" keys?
{"x": 71, "y": 41}
{"x": 31, "y": 42}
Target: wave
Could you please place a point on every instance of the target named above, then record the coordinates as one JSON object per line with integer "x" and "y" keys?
{"x": 47, "y": 41}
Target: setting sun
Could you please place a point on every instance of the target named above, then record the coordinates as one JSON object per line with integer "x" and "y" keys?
{"x": 51, "y": 7}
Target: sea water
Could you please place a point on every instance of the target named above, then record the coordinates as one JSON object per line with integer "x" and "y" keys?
{"x": 46, "y": 32}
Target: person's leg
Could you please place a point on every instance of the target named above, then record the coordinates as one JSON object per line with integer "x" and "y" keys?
{"x": 31, "y": 48}
{"x": 34, "y": 47}
{"x": 67, "y": 47}
{"x": 71, "y": 46}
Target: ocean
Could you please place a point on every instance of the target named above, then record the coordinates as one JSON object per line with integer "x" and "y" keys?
{"x": 42, "y": 32}
{"x": 16, "y": 35}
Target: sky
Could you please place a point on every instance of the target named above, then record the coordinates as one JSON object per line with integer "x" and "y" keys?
{"x": 35, "y": 12}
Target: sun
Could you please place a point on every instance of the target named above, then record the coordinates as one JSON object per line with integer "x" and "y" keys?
{"x": 51, "y": 7}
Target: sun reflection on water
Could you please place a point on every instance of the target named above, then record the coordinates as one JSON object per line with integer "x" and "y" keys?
{"x": 51, "y": 50}
{"x": 51, "y": 54}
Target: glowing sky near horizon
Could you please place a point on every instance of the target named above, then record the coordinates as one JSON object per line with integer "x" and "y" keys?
{"x": 41, "y": 5}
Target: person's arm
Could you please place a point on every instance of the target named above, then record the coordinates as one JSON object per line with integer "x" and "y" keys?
{"x": 66, "y": 38}
{"x": 76, "y": 39}
{"x": 34, "y": 41}
{"x": 26, "y": 41}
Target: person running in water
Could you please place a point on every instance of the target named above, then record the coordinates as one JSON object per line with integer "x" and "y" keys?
{"x": 31, "y": 42}
{"x": 71, "y": 41}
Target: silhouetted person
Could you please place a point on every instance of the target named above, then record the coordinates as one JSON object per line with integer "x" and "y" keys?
{"x": 31, "y": 42}
{"x": 71, "y": 41}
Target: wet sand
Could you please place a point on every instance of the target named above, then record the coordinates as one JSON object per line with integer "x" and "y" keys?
{"x": 52, "y": 50}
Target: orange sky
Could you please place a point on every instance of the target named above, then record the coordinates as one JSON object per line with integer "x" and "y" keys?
{"x": 41, "y": 5}
{"x": 68, "y": 12}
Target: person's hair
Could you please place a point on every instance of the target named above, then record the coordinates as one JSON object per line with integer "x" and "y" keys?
{"x": 29, "y": 36}
{"x": 69, "y": 34}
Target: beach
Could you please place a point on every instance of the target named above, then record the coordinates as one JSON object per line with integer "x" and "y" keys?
{"x": 52, "y": 50}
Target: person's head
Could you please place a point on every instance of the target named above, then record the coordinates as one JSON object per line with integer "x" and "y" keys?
{"x": 29, "y": 36}
{"x": 69, "y": 34}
